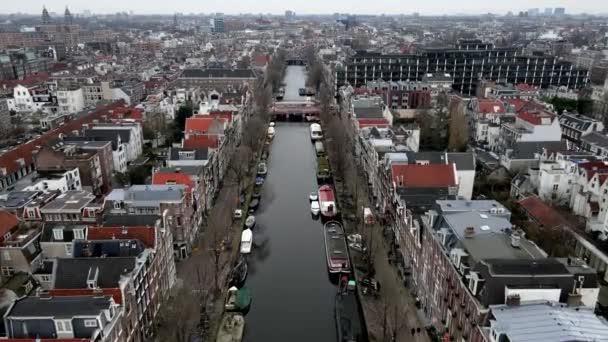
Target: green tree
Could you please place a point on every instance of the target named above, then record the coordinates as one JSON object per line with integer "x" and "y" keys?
{"x": 179, "y": 124}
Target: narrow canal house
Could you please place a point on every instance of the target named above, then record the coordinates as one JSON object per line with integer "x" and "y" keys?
{"x": 466, "y": 255}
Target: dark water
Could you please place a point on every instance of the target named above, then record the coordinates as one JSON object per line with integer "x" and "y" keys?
{"x": 293, "y": 298}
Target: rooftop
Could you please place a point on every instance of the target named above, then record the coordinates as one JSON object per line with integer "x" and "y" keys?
{"x": 70, "y": 201}
{"x": 218, "y": 73}
{"x": 59, "y": 307}
{"x": 72, "y": 273}
{"x": 548, "y": 322}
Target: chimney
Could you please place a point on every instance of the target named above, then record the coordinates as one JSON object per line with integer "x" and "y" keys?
{"x": 469, "y": 232}
{"x": 516, "y": 239}
{"x": 574, "y": 300}
{"x": 513, "y": 300}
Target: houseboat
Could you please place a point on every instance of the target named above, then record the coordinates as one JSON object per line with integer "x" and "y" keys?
{"x": 323, "y": 170}
{"x": 335, "y": 248}
{"x": 348, "y": 320}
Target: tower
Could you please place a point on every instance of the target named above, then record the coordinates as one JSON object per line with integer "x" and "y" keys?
{"x": 175, "y": 20}
{"x": 67, "y": 16}
{"x": 46, "y": 18}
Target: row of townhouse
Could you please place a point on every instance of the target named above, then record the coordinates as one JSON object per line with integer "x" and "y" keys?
{"x": 98, "y": 275}
{"x": 467, "y": 262}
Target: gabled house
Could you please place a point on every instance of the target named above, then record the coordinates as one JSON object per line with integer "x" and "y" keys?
{"x": 419, "y": 186}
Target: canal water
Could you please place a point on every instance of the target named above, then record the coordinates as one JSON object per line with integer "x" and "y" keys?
{"x": 293, "y": 298}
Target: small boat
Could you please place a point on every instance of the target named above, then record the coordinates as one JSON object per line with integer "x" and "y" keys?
{"x": 238, "y": 214}
{"x": 262, "y": 169}
{"x": 254, "y": 204}
{"x": 256, "y": 193}
{"x": 232, "y": 328}
{"x": 314, "y": 208}
{"x": 270, "y": 133}
{"x": 238, "y": 299}
{"x": 336, "y": 249}
{"x": 246, "y": 241}
{"x": 238, "y": 274}
{"x": 313, "y": 196}
{"x": 259, "y": 181}
{"x": 315, "y": 132}
{"x": 271, "y": 124}
{"x": 250, "y": 222}
{"x": 323, "y": 170}
{"x": 348, "y": 320}
{"x": 319, "y": 149}
{"x": 327, "y": 201}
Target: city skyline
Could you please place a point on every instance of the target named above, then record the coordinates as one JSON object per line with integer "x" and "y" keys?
{"x": 431, "y": 7}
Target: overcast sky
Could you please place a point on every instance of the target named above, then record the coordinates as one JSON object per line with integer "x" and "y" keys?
{"x": 304, "y": 7}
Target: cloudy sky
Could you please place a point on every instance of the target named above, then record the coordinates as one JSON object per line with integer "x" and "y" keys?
{"x": 304, "y": 7}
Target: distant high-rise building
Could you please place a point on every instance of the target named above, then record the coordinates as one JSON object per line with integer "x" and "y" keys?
{"x": 548, "y": 11}
{"x": 290, "y": 15}
{"x": 175, "y": 20}
{"x": 559, "y": 11}
{"x": 67, "y": 16}
{"x": 217, "y": 24}
{"x": 533, "y": 12}
{"x": 46, "y": 18}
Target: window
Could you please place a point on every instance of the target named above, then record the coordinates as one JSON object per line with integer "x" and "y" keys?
{"x": 7, "y": 236}
{"x": 68, "y": 249}
{"x": 90, "y": 323}
{"x": 79, "y": 233}
{"x": 63, "y": 326}
{"x": 7, "y": 271}
{"x": 555, "y": 186}
{"x": 58, "y": 233}
{"x": 6, "y": 255}
{"x": 45, "y": 277}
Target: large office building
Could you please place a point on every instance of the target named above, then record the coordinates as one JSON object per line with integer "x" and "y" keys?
{"x": 469, "y": 62}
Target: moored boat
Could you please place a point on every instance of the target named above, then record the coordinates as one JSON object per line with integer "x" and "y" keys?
{"x": 238, "y": 274}
{"x": 316, "y": 133}
{"x": 327, "y": 201}
{"x": 246, "y": 241}
{"x": 335, "y": 248}
{"x": 232, "y": 328}
{"x": 270, "y": 133}
{"x": 262, "y": 169}
{"x": 250, "y": 222}
{"x": 238, "y": 299}
{"x": 348, "y": 320}
{"x": 253, "y": 205}
{"x": 259, "y": 181}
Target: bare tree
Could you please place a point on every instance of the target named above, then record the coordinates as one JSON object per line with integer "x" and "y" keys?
{"x": 180, "y": 313}
{"x": 458, "y": 127}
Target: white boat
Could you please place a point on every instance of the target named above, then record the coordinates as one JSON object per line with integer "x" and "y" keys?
{"x": 315, "y": 209}
{"x": 327, "y": 201}
{"x": 250, "y": 222}
{"x": 232, "y": 328}
{"x": 315, "y": 132}
{"x": 313, "y": 196}
{"x": 270, "y": 133}
{"x": 262, "y": 169}
{"x": 271, "y": 123}
{"x": 246, "y": 241}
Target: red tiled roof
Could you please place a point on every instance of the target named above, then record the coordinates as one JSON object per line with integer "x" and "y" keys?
{"x": 593, "y": 167}
{"x": 161, "y": 178}
{"x": 201, "y": 123}
{"x": 29, "y": 81}
{"x": 131, "y": 113}
{"x": 201, "y": 141}
{"x": 535, "y": 118}
{"x": 9, "y": 159}
{"x": 424, "y": 176}
{"x": 144, "y": 234}
{"x": 260, "y": 60}
{"x": 373, "y": 122}
{"x": 8, "y": 221}
{"x": 114, "y": 292}
{"x": 525, "y": 87}
{"x": 542, "y": 213}
{"x": 520, "y": 105}
{"x": 491, "y": 106}
{"x": 47, "y": 340}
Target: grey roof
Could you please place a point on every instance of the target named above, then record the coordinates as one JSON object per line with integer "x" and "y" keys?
{"x": 109, "y": 134}
{"x": 88, "y": 144}
{"x": 218, "y": 73}
{"x": 596, "y": 138}
{"x": 17, "y": 199}
{"x": 153, "y": 195}
{"x": 549, "y": 322}
{"x": 431, "y": 156}
{"x": 546, "y": 266}
{"x": 71, "y": 273}
{"x": 491, "y": 237}
{"x": 528, "y": 150}
{"x": 60, "y": 306}
{"x": 199, "y": 153}
{"x": 368, "y": 112}
{"x": 463, "y": 160}
{"x": 129, "y": 220}
{"x": 78, "y": 140}
{"x": 447, "y": 206}
{"x": 69, "y": 201}
{"x": 576, "y": 121}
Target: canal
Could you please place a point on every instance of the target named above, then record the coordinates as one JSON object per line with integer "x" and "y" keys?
{"x": 293, "y": 298}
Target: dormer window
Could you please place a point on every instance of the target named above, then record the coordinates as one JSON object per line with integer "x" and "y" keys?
{"x": 63, "y": 326}
{"x": 79, "y": 233}
{"x": 58, "y": 234}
